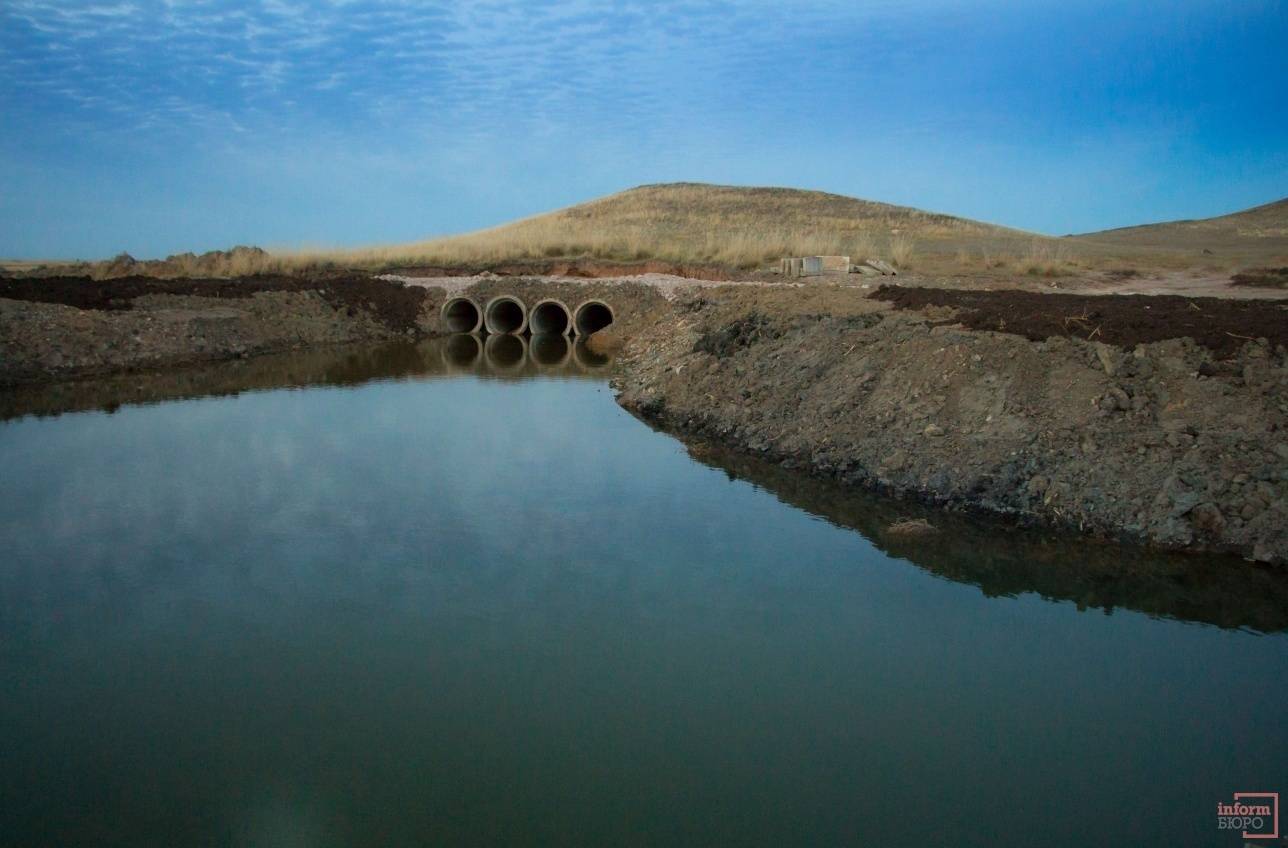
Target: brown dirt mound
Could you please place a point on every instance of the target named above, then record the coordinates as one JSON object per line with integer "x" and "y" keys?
{"x": 1222, "y": 326}
{"x": 394, "y": 305}
{"x": 1270, "y": 278}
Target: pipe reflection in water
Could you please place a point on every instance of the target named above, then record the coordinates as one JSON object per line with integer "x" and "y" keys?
{"x": 505, "y": 354}
{"x": 589, "y": 359}
{"x": 463, "y": 351}
{"x": 1006, "y": 561}
{"x": 339, "y": 365}
{"x": 550, "y": 351}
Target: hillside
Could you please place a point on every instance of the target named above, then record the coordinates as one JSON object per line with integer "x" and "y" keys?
{"x": 1252, "y": 235}
{"x": 694, "y": 225}
{"x": 693, "y": 222}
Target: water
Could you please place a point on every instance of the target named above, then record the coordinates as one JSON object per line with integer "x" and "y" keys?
{"x": 439, "y": 598}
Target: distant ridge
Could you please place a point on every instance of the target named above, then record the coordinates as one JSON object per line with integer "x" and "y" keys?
{"x": 1259, "y": 232}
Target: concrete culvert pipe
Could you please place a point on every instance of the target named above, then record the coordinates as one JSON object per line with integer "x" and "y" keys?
{"x": 505, "y": 315}
{"x": 550, "y": 317}
{"x": 462, "y": 315}
{"x": 592, "y": 316}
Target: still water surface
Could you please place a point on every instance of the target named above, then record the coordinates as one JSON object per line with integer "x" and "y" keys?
{"x": 439, "y": 598}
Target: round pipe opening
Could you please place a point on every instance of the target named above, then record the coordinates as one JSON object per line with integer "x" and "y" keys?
{"x": 505, "y": 314}
{"x": 462, "y": 315}
{"x": 505, "y": 353}
{"x": 550, "y": 350}
{"x": 462, "y": 350}
{"x": 592, "y": 316}
{"x": 550, "y": 317}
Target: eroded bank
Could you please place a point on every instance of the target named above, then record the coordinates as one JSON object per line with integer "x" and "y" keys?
{"x": 1169, "y": 443}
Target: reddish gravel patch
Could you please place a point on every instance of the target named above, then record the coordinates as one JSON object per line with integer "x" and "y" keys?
{"x": 394, "y": 305}
{"x": 1222, "y": 326}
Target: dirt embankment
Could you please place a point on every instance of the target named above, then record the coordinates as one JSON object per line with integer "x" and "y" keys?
{"x": 1001, "y": 559}
{"x": 1171, "y": 441}
{"x": 63, "y": 327}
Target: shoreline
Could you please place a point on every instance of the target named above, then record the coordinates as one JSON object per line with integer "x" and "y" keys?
{"x": 1166, "y": 442}
{"x": 1162, "y": 444}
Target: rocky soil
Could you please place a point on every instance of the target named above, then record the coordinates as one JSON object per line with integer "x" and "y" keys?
{"x": 1167, "y": 441}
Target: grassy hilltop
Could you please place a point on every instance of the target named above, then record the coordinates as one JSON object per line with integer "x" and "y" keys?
{"x": 726, "y": 225}
{"x": 746, "y": 228}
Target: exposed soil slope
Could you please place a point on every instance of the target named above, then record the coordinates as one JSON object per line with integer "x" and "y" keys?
{"x": 64, "y": 327}
{"x": 1157, "y": 441}
{"x": 972, "y": 549}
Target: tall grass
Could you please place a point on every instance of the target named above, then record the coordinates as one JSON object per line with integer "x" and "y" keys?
{"x": 684, "y": 223}
{"x": 902, "y": 249}
{"x": 1045, "y": 260}
{"x": 679, "y": 223}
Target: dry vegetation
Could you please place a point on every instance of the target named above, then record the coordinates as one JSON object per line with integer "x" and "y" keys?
{"x": 1254, "y": 236}
{"x": 684, "y": 222}
{"x": 747, "y": 228}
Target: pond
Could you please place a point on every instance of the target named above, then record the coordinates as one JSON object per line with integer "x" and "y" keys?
{"x": 451, "y": 593}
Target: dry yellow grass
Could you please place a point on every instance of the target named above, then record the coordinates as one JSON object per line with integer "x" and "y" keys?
{"x": 694, "y": 223}
{"x": 1253, "y": 236}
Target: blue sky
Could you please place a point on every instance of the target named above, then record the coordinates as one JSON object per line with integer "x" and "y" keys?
{"x": 156, "y": 126}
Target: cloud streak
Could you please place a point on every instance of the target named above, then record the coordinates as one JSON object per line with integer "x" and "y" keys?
{"x": 468, "y": 113}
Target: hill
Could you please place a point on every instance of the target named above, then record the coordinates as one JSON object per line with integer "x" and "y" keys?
{"x": 680, "y": 225}
{"x": 727, "y": 225}
{"x": 1253, "y": 235}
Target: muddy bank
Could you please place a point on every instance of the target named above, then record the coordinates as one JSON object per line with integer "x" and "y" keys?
{"x": 1003, "y": 560}
{"x": 1167, "y": 442}
{"x": 68, "y": 327}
